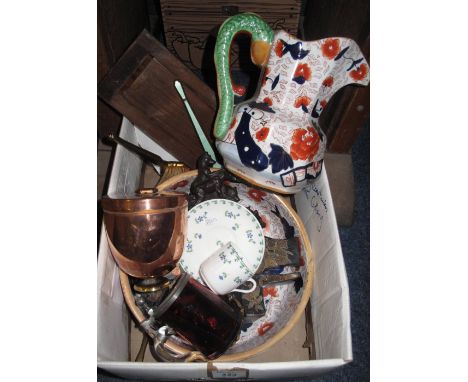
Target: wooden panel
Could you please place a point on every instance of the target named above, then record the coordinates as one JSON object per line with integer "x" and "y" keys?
{"x": 341, "y": 120}
{"x": 331, "y": 18}
{"x": 354, "y": 117}
{"x": 353, "y": 109}
{"x": 141, "y": 87}
{"x": 190, "y": 27}
{"x": 103, "y": 64}
{"x": 119, "y": 23}
{"x": 108, "y": 119}
{"x": 215, "y": 6}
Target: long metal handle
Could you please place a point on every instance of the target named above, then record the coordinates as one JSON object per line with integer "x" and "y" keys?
{"x": 201, "y": 135}
{"x": 148, "y": 155}
{"x": 272, "y": 279}
{"x": 168, "y": 169}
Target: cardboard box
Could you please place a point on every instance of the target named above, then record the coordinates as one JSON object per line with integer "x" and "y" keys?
{"x": 330, "y": 295}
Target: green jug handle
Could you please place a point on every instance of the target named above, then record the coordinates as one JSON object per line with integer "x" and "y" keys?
{"x": 262, "y": 37}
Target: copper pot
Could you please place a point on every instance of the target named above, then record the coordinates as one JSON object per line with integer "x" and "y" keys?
{"x": 146, "y": 231}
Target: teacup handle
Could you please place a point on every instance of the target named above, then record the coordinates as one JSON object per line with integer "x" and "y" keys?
{"x": 247, "y": 290}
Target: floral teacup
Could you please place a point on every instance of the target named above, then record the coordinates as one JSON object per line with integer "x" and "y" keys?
{"x": 226, "y": 269}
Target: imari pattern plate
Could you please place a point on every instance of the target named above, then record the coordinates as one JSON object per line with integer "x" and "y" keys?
{"x": 280, "y": 300}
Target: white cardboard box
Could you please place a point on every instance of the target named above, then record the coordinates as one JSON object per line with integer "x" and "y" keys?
{"x": 330, "y": 295}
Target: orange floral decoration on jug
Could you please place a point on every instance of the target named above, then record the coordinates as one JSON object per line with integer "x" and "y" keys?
{"x": 268, "y": 101}
{"x": 305, "y": 144}
{"x": 303, "y": 70}
{"x": 262, "y": 134}
{"x": 302, "y": 101}
{"x": 328, "y": 82}
{"x": 331, "y": 48}
{"x": 279, "y": 48}
{"x": 359, "y": 73}
{"x": 239, "y": 89}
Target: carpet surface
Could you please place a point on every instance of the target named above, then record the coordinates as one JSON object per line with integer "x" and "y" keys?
{"x": 355, "y": 244}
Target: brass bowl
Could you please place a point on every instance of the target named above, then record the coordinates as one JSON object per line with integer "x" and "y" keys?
{"x": 146, "y": 231}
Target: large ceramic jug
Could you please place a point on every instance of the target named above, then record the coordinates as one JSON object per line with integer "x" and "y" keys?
{"x": 274, "y": 140}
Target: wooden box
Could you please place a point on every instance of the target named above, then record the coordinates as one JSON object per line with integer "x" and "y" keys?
{"x": 190, "y": 27}
{"x": 141, "y": 87}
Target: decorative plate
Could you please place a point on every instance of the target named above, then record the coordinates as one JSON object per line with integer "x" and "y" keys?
{"x": 258, "y": 201}
{"x": 284, "y": 303}
{"x": 214, "y": 223}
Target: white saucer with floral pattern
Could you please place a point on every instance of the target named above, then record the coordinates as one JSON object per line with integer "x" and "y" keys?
{"x": 214, "y": 223}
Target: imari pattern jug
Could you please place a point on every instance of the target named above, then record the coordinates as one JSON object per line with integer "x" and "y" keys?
{"x": 274, "y": 140}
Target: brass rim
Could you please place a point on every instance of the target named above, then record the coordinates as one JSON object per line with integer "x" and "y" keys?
{"x": 158, "y": 202}
{"x": 151, "y": 288}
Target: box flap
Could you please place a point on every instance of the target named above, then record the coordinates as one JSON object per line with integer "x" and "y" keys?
{"x": 223, "y": 371}
{"x": 331, "y": 315}
{"x": 112, "y": 329}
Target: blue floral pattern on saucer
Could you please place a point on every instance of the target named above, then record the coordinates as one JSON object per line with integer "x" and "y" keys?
{"x": 212, "y": 224}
